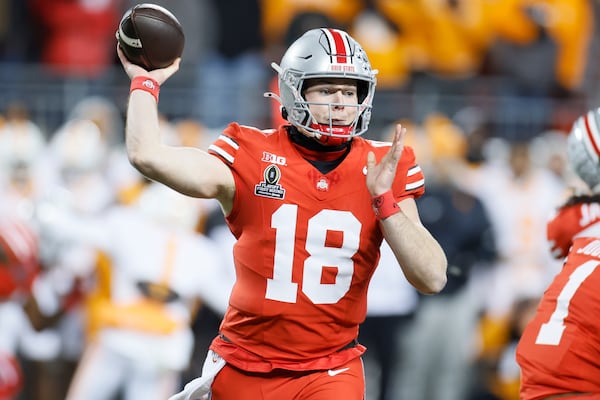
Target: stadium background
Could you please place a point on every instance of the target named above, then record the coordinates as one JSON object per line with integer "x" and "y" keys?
{"x": 529, "y": 65}
{"x": 516, "y": 68}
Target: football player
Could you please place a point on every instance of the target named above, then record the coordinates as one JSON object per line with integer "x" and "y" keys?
{"x": 152, "y": 271}
{"x": 559, "y": 351}
{"x": 309, "y": 203}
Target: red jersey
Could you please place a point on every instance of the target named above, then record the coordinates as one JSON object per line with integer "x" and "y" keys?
{"x": 559, "y": 351}
{"x": 307, "y": 246}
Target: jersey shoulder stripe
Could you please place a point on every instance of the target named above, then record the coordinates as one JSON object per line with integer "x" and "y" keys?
{"x": 415, "y": 178}
{"x": 410, "y": 181}
{"x": 229, "y": 143}
{"x": 226, "y": 149}
{"x": 378, "y": 143}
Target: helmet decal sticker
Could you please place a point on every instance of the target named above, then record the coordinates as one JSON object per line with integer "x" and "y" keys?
{"x": 339, "y": 48}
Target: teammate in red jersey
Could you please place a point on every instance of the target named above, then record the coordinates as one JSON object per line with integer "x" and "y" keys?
{"x": 559, "y": 351}
{"x": 309, "y": 204}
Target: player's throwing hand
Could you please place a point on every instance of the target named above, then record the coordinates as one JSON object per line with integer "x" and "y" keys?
{"x": 160, "y": 75}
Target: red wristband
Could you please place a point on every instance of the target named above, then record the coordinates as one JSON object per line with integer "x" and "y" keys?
{"x": 146, "y": 84}
{"x": 385, "y": 205}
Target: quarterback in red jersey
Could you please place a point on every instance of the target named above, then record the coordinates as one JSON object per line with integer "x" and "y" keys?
{"x": 559, "y": 351}
{"x": 309, "y": 204}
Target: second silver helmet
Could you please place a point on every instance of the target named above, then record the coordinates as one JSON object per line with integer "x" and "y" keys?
{"x": 584, "y": 148}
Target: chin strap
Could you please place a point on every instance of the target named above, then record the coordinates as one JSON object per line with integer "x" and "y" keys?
{"x": 344, "y": 130}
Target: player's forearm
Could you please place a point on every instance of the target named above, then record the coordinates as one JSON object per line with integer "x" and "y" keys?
{"x": 419, "y": 254}
{"x": 142, "y": 135}
{"x": 145, "y": 150}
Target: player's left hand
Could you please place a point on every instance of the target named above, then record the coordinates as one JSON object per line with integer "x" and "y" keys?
{"x": 381, "y": 176}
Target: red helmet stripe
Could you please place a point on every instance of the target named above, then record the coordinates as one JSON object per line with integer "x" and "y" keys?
{"x": 592, "y": 134}
{"x": 339, "y": 49}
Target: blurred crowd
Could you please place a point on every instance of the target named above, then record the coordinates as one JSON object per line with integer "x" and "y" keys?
{"x": 107, "y": 312}
{"x": 526, "y": 63}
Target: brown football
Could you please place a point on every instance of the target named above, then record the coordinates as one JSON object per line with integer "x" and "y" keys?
{"x": 150, "y": 36}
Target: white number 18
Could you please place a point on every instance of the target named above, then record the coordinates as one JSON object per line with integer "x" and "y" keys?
{"x": 284, "y": 221}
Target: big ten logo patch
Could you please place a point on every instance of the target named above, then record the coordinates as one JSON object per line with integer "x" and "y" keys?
{"x": 273, "y": 158}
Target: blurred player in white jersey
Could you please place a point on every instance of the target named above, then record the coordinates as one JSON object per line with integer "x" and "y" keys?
{"x": 138, "y": 316}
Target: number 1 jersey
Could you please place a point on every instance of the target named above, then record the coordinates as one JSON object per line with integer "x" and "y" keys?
{"x": 559, "y": 351}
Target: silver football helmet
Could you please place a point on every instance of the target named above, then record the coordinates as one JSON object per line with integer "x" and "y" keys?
{"x": 325, "y": 53}
{"x": 584, "y": 148}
